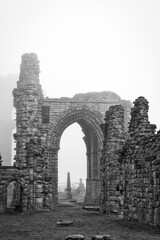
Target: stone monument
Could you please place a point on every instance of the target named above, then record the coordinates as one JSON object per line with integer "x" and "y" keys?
{"x": 68, "y": 188}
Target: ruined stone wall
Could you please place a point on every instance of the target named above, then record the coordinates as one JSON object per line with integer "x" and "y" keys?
{"x": 39, "y": 126}
{"x": 141, "y": 167}
{"x": 114, "y": 137}
{"x": 36, "y": 186}
{"x": 137, "y": 168}
{"x": 7, "y": 176}
{"x": 98, "y": 101}
{"x": 88, "y": 110}
{"x": 30, "y": 160}
{"x": 28, "y": 99}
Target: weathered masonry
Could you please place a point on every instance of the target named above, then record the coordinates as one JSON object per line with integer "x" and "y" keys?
{"x": 130, "y": 165}
{"x": 40, "y": 123}
{"x": 122, "y": 152}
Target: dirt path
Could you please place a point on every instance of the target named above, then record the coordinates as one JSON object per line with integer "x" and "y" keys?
{"x": 43, "y": 225}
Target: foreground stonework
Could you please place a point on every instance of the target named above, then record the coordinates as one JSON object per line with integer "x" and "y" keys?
{"x": 131, "y": 166}
{"x": 40, "y": 123}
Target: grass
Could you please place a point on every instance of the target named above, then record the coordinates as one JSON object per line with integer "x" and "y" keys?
{"x": 42, "y": 225}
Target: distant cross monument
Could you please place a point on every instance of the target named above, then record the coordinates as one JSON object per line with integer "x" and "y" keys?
{"x": 68, "y": 189}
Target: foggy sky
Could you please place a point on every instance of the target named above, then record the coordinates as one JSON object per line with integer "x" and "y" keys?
{"x": 7, "y": 123}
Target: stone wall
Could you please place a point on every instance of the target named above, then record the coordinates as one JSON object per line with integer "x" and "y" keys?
{"x": 127, "y": 176}
{"x": 28, "y": 99}
{"x": 40, "y": 124}
{"x": 88, "y": 110}
{"x": 137, "y": 164}
{"x": 36, "y": 186}
{"x": 30, "y": 166}
{"x": 114, "y": 137}
{"x": 141, "y": 167}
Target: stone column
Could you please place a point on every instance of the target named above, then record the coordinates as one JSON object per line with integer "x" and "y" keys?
{"x": 99, "y": 155}
{"x": 92, "y": 152}
{"x": 53, "y": 172}
{"x": 93, "y": 186}
{"x": 88, "y": 155}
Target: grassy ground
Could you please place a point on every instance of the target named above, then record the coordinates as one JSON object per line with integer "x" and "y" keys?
{"x": 42, "y": 225}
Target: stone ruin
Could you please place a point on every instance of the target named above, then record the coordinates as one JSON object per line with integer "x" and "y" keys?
{"x": 30, "y": 166}
{"x": 130, "y": 165}
{"x": 123, "y": 161}
{"x": 40, "y": 123}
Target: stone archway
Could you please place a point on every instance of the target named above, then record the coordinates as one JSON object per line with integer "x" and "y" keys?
{"x": 90, "y": 121}
{"x": 15, "y": 194}
{"x": 40, "y": 123}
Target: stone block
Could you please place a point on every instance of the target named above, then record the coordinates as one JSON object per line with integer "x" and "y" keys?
{"x": 91, "y": 208}
{"x": 101, "y": 237}
{"x": 39, "y": 200}
{"x": 64, "y": 223}
{"x": 75, "y": 237}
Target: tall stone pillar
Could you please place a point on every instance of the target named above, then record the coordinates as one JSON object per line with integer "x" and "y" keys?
{"x": 53, "y": 172}
{"x": 93, "y": 186}
{"x": 30, "y": 151}
{"x": 28, "y": 98}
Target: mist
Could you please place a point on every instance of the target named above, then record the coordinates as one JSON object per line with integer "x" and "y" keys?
{"x": 7, "y": 122}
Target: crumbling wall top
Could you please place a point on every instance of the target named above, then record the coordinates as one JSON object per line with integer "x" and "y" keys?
{"x": 29, "y": 68}
{"x": 97, "y": 96}
{"x": 139, "y": 124}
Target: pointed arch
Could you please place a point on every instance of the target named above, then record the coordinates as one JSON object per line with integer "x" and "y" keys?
{"x": 84, "y": 116}
{"x": 90, "y": 121}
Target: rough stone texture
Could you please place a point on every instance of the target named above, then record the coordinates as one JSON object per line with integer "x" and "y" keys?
{"x": 124, "y": 176}
{"x": 141, "y": 167}
{"x": 40, "y": 124}
{"x": 30, "y": 160}
{"x": 114, "y": 137}
{"x": 137, "y": 168}
{"x": 88, "y": 112}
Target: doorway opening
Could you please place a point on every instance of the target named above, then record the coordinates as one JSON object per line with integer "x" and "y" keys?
{"x": 72, "y": 159}
{"x": 14, "y": 196}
